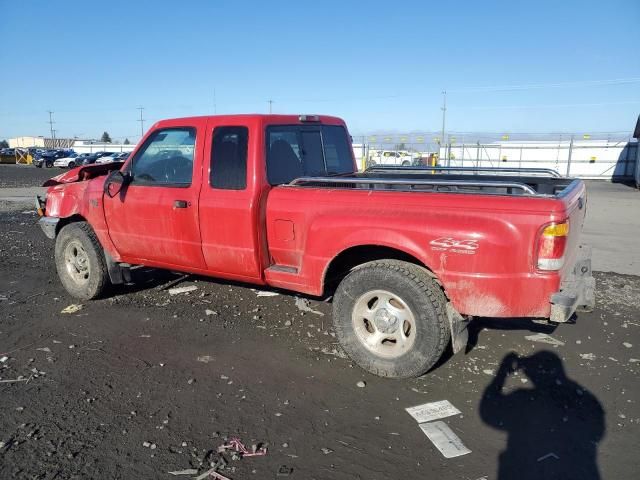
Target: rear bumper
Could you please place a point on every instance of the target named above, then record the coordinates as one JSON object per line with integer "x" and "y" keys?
{"x": 577, "y": 289}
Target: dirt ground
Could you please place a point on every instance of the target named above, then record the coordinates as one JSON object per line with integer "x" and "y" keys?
{"x": 143, "y": 383}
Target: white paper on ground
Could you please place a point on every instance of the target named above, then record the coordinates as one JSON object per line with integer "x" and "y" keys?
{"x": 444, "y": 439}
{"x": 432, "y": 411}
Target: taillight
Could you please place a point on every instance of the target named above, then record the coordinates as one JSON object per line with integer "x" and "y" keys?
{"x": 552, "y": 245}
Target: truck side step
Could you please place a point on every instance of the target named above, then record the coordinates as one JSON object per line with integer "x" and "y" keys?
{"x": 283, "y": 269}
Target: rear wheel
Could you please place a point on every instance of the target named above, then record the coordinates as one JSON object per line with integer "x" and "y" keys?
{"x": 80, "y": 261}
{"x": 406, "y": 163}
{"x": 390, "y": 318}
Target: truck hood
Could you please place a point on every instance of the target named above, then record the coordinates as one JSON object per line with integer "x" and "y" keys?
{"x": 83, "y": 173}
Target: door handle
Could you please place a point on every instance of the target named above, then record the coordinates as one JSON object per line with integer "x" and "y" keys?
{"x": 180, "y": 204}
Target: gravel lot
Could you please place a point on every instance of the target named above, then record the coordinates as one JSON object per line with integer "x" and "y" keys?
{"x": 178, "y": 373}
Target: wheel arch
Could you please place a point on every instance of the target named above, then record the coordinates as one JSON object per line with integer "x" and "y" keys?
{"x": 353, "y": 256}
{"x": 76, "y": 217}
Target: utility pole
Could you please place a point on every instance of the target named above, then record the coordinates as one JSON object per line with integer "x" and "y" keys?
{"x": 444, "y": 116}
{"x": 215, "y": 106}
{"x": 141, "y": 122}
{"x": 270, "y": 106}
{"x": 51, "y": 122}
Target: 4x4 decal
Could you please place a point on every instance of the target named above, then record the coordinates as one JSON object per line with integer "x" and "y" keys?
{"x": 450, "y": 244}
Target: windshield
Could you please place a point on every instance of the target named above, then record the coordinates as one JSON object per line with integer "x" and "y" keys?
{"x": 298, "y": 150}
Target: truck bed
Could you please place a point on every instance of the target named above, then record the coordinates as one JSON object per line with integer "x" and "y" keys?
{"x": 313, "y": 219}
{"x": 520, "y": 182}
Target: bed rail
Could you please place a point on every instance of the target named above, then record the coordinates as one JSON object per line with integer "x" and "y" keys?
{"x": 454, "y": 184}
{"x": 422, "y": 168}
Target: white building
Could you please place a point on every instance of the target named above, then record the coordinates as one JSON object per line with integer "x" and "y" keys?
{"x": 89, "y": 146}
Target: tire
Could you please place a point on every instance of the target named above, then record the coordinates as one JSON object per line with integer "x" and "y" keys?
{"x": 413, "y": 303}
{"x": 80, "y": 261}
{"x": 406, "y": 163}
{"x": 38, "y": 165}
{"x": 48, "y": 164}
{"x": 71, "y": 164}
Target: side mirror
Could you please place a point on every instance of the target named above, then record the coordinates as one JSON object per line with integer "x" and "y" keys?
{"x": 115, "y": 182}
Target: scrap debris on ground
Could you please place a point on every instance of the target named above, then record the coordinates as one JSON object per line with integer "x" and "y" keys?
{"x": 233, "y": 446}
{"x": 304, "y": 306}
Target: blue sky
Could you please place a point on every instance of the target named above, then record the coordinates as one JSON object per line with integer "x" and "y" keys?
{"x": 380, "y": 65}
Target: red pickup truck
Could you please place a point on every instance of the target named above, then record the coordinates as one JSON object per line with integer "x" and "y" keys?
{"x": 410, "y": 254}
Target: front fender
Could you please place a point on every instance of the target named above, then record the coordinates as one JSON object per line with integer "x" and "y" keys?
{"x": 82, "y": 200}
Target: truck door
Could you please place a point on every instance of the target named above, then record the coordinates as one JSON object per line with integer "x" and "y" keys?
{"x": 154, "y": 219}
{"x": 230, "y": 201}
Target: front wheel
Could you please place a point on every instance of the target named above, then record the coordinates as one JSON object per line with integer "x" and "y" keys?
{"x": 71, "y": 164}
{"x": 80, "y": 261}
{"x": 390, "y": 318}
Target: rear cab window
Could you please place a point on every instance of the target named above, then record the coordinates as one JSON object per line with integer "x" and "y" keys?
{"x": 299, "y": 150}
{"x": 229, "y": 158}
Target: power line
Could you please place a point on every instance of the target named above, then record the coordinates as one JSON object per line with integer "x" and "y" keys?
{"x": 141, "y": 122}
{"x": 51, "y": 122}
{"x": 444, "y": 114}
{"x": 582, "y": 83}
{"x": 554, "y": 105}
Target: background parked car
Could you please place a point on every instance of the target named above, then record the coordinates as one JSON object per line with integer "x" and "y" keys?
{"x": 391, "y": 157}
{"x": 81, "y": 158}
{"x": 107, "y": 158}
{"x": 93, "y": 157}
{"x": 41, "y": 161}
{"x": 113, "y": 157}
{"x": 48, "y": 157}
{"x": 70, "y": 161}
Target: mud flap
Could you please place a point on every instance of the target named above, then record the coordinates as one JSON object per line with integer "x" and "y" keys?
{"x": 459, "y": 331}
{"x": 117, "y": 274}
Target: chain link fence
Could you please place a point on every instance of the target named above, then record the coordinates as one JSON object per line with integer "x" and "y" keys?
{"x": 612, "y": 155}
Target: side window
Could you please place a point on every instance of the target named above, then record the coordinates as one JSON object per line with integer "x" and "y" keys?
{"x": 229, "y": 158}
{"x": 166, "y": 159}
{"x": 283, "y": 155}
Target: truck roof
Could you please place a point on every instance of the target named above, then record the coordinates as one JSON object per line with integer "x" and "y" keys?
{"x": 265, "y": 117}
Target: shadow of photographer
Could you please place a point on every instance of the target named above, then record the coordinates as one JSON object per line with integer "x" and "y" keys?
{"x": 553, "y": 424}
